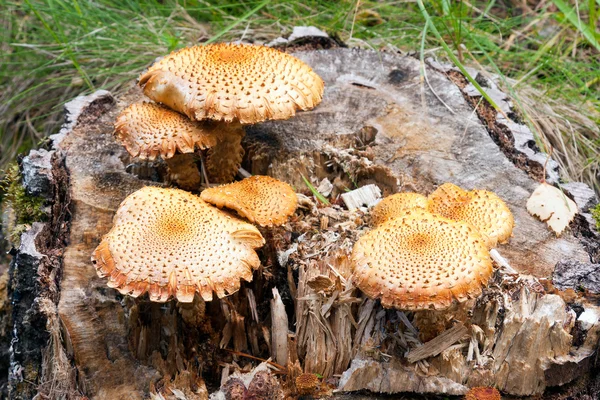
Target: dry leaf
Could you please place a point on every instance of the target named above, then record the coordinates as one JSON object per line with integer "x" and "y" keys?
{"x": 552, "y": 206}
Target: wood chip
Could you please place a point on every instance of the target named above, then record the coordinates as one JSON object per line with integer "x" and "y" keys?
{"x": 438, "y": 344}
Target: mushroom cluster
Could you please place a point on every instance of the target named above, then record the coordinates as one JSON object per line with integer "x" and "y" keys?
{"x": 204, "y": 95}
{"x": 171, "y": 243}
{"x": 428, "y": 252}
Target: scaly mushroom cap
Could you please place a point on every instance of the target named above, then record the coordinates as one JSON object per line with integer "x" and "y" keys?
{"x": 483, "y": 393}
{"x": 396, "y": 204}
{"x": 260, "y": 199}
{"x": 306, "y": 383}
{"x": 482, "y": 209}
{"x": 230, "y": 82}
{"x": 148, "y": 130}
{"x": 169, "y": 242}
{"x": 420, "y": 261}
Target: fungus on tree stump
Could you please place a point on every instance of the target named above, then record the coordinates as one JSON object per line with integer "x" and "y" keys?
{"x": 235, "y": 84}
{"x": 396, "y": 204}
{"x": 483, "y": 393}
{"x": 306, "y": 383}
{"x": 483, "y": 209}
{"x": 260, "y": 199}
{"x": 420, "y": 261}
{"x": 168, "y": 242}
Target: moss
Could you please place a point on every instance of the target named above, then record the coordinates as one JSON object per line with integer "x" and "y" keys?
{"x": 596, "y": 215}
{"x": 26, "y": 209}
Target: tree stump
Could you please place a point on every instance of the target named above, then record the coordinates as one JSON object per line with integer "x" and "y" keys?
{"x": 379, "y": 123}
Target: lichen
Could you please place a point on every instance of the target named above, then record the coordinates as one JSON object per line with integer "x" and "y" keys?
{"x": 596, "y": 215}
{"x": 26, "y": 209}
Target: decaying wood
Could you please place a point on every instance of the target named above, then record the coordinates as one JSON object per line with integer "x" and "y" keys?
{"x": 375, "y": 126}
{"x": 438, "y": 344}
{"x": 279, "y": 329}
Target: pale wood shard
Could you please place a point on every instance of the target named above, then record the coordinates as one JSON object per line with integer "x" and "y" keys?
{"x": 365, "y": 196}
{"x": 438, "y": 344}
{"x": 552, "y": 206}
{"x": 279, "y": 330}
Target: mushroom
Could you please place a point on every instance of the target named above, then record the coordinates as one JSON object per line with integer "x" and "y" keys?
{"x": 483, "y": 393}
{"x": 169, "y": 242}
{"x": 148, "y": 130}
{"x": 396, "y": 204}
{"x": 481, "y": 208}
{"x": 421, "y": 261}
{"x": 260, "y": 199}
{"x": 306, "y": 383}
{"x": 233, "y": 83}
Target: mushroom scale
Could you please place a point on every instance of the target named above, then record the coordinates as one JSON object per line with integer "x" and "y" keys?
{"x": 228, "y": 82}
{"x": 169, "y": 242}
{"x": 396, "y": 204}
{"x": 483, "y": 209}
{"x": 148, "y": 130}
{"x": 420, "y": 261}
{"x": 260, "y": 199}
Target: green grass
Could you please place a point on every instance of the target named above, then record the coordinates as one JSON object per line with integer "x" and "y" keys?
{"x": 548, "y": 58}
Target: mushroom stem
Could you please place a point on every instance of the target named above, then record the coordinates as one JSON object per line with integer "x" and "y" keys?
{"x": 224, "y": 159}
{"x": 184, "y": 172}
{"x": 203, "y": 169}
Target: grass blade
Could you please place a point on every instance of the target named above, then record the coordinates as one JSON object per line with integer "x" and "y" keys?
{"x": 315, "y": 192}
{"x": 454, "y": 59}
{"x": 572, "y": 16}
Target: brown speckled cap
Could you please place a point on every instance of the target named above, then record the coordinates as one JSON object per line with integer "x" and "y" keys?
{"x": 260, "y": 199}
{"x": 233, "y": 82}
{"x": 148, "y": 130}
{"x": 420, "y": 261}
{"x": 480, "y": 208}
{"x": 168, "y": 242}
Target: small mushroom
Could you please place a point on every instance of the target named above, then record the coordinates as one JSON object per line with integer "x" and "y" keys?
{"x": 480, "y": 208}
{"x": 260, "y": 199}
{"x": 149, "y": 130}
{"x": 168, "y": 242}
{"x": 306, "y": 383}
{"x": 235, "y": 84}
{"x": 420, "y": 261}
{"x": 396, "y": 204}
{"x": 483, "y": 393}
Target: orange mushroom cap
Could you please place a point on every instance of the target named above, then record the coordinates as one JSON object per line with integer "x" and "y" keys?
{"x": 420, "y": 261}
{"x": 480, "y": 208}
{"x": 168, "y": 242}
{"x": 483, "y": 393}
{"x": 394, "y": 205}
{"x": 306, "y": 383}
{"x": 260, "y": 199}
{"x": 242, "y": 82}
{"x": 148, "y": 130}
